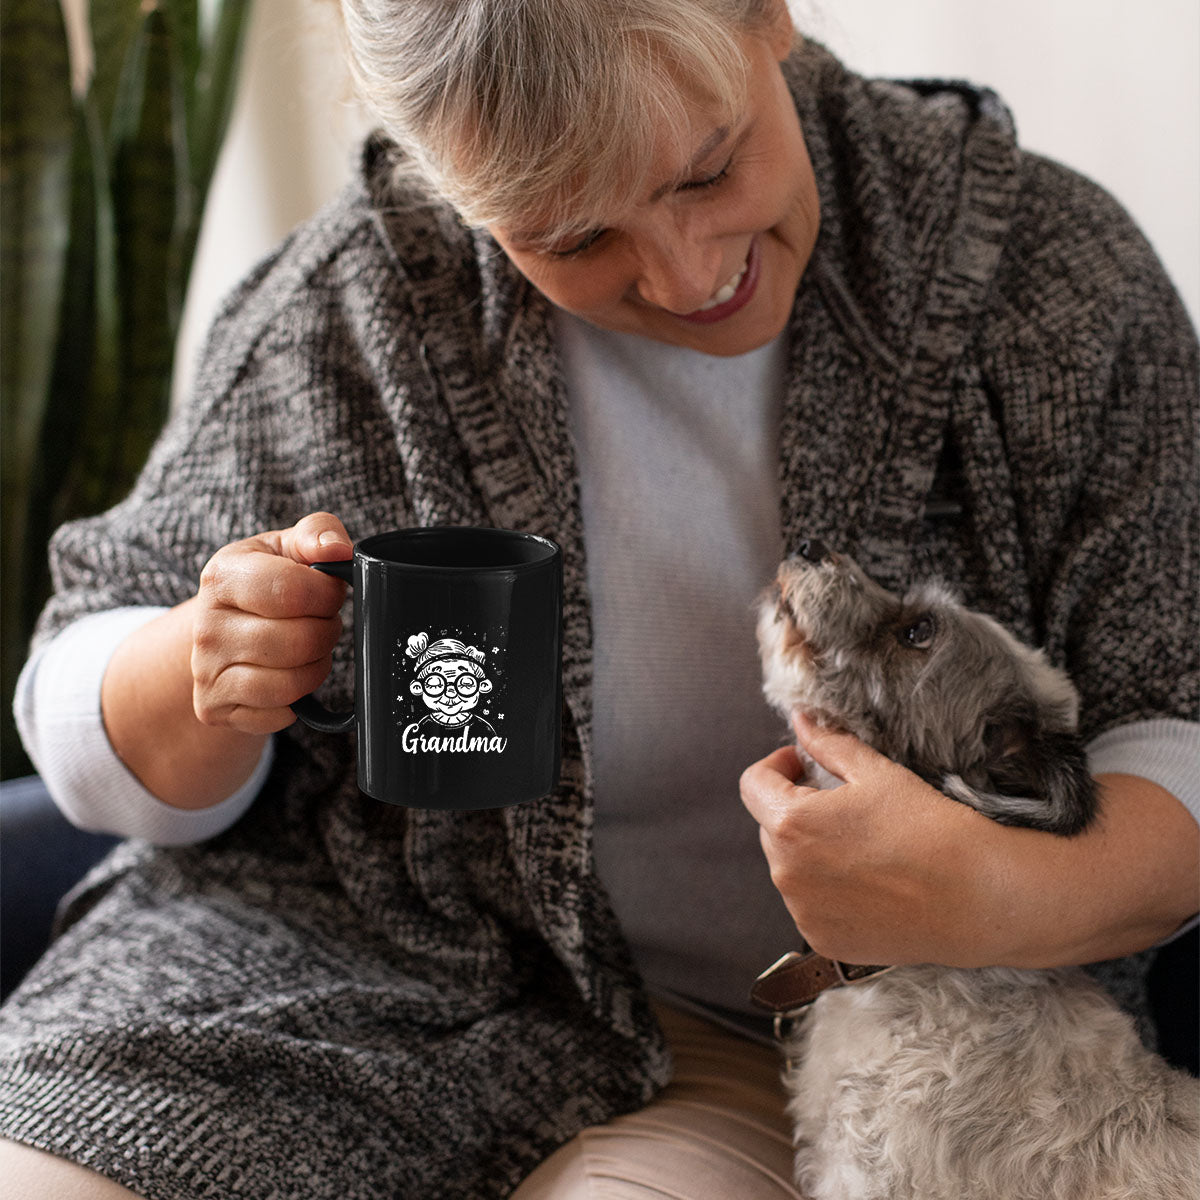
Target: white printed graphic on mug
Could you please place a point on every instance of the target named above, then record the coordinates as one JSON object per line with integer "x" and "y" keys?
{"x": 450, "y": 694}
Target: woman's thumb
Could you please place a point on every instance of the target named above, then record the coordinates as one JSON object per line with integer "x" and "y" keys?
{"x": 319, "y": 537}
{"x": 841, "y": 754}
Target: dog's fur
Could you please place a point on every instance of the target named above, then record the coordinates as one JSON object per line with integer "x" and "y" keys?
{"x": 934, "y": 1083}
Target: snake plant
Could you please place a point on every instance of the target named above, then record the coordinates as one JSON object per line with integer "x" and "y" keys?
{"x": 100, "y": 206}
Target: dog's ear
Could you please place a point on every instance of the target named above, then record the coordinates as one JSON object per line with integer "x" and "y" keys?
{"x": 1032, "y": 777}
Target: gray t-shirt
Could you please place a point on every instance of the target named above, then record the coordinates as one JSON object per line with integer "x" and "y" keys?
{"x": 678, "y": 455}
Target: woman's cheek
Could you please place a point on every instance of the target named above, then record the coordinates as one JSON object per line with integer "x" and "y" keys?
{"x": 582, "y": 287}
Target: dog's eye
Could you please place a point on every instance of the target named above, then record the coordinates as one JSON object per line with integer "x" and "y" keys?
{"x": 918, "y": 635}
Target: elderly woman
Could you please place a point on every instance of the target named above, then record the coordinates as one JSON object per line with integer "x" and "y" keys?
{"x": 674, "y": 288}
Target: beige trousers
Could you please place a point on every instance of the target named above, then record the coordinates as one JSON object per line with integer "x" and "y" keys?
{"x": 718, "y": 1131}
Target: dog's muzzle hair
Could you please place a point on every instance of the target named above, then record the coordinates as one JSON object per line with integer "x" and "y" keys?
{"x": 945, "y": 691}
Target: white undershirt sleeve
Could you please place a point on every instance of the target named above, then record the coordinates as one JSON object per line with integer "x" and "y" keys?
{"x": 57, "y": 710}
{"x": 1165, "y": 751}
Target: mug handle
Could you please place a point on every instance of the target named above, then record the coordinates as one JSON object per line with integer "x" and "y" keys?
{"x": 308, "y": 708}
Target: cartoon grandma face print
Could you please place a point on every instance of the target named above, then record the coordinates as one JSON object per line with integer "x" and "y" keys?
{"x": 450, "y": 678}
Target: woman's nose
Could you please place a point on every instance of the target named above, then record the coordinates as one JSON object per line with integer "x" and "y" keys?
{"x": 679, "y": 274}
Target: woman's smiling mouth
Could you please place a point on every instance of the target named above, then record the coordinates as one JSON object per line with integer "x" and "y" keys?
{"x": 725, "y": 294}
{"x": 731, "y": 296}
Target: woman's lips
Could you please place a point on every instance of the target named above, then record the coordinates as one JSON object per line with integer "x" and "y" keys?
{"x": 741, "y": 295}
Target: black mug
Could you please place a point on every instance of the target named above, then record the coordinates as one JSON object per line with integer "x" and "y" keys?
{"x": 458, "y": 662}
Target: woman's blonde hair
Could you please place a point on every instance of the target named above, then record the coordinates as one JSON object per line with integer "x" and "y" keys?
{"x": 553, "y": 108}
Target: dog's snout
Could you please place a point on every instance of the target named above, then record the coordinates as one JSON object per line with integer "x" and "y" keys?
{"x": 813, "y": 550}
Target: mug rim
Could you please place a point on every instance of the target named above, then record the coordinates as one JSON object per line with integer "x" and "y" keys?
{"x": 367, "y": 549}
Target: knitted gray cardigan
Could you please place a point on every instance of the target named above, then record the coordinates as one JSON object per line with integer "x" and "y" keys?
{"x": 338, "y": 998}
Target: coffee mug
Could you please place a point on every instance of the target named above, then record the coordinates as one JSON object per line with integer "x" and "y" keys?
{"x": 458, "y": 666}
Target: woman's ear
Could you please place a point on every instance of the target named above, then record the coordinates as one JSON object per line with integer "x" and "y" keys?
{"x": 777, "y": 28}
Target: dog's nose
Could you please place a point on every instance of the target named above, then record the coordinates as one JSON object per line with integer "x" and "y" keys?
{"x": 813, "y": 549}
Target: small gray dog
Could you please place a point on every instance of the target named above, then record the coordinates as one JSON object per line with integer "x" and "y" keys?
{"x": 937, "y": 1083}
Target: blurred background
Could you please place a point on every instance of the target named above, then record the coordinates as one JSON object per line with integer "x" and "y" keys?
{"x": 1108, "y": 88}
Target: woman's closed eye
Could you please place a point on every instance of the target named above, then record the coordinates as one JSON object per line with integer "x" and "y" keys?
{"x": 589, "y": 239}
{"x": 696, "y": 185}
{"x": 585, "y": 243}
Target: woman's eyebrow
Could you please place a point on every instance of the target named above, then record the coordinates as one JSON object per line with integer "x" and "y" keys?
{"x": 710, "y": 143}
{"x": 706, "y": 148}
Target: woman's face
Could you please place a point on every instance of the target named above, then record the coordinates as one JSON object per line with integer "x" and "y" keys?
{"x": 712, "y": 257}
{"x": 450, "y": 688}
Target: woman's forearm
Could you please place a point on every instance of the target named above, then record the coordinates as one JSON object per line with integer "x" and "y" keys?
{"x": 886, "y": 869}
{"x": 1138, "y": 868}
{"x": 146, "y": 702}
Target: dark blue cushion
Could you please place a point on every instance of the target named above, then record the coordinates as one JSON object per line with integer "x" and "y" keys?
{"x": 42, "y": 855}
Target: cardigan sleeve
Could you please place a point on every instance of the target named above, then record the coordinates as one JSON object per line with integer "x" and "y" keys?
{"x": 286, "y": 418}
{"x": 1099, "y": 413}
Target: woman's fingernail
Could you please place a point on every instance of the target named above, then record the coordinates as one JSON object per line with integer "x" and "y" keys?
{"x": 329, "y": 538}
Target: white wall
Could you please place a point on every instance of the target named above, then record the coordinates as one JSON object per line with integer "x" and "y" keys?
{"x": 1109, "y": 88}
{"x": 1105, "y": 87}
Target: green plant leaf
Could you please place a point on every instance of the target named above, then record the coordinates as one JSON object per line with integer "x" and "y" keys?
{"x": 85, "y": 378}
{"x": 113, "y": 25}
{"x": 183, "y": 16}
{"x": 36, "y": 131}
{"x": 214, "y": 92}
{"x": 215, "y": 80}
{"x": 152, "y": 198}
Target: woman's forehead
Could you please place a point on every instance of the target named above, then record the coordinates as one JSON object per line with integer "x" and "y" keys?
{"x": 570, "y": 169}
{"x": 599, "y": 199}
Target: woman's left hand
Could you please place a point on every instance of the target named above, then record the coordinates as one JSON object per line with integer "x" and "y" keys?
{"x": 886, "y": 869}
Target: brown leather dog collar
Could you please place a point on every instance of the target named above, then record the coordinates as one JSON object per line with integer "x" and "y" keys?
{"x": 798, "y": 978}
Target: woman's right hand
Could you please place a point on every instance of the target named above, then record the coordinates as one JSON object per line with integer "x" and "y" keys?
{"x": 189, "y": 699}
{"x": 264, "y": 624}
